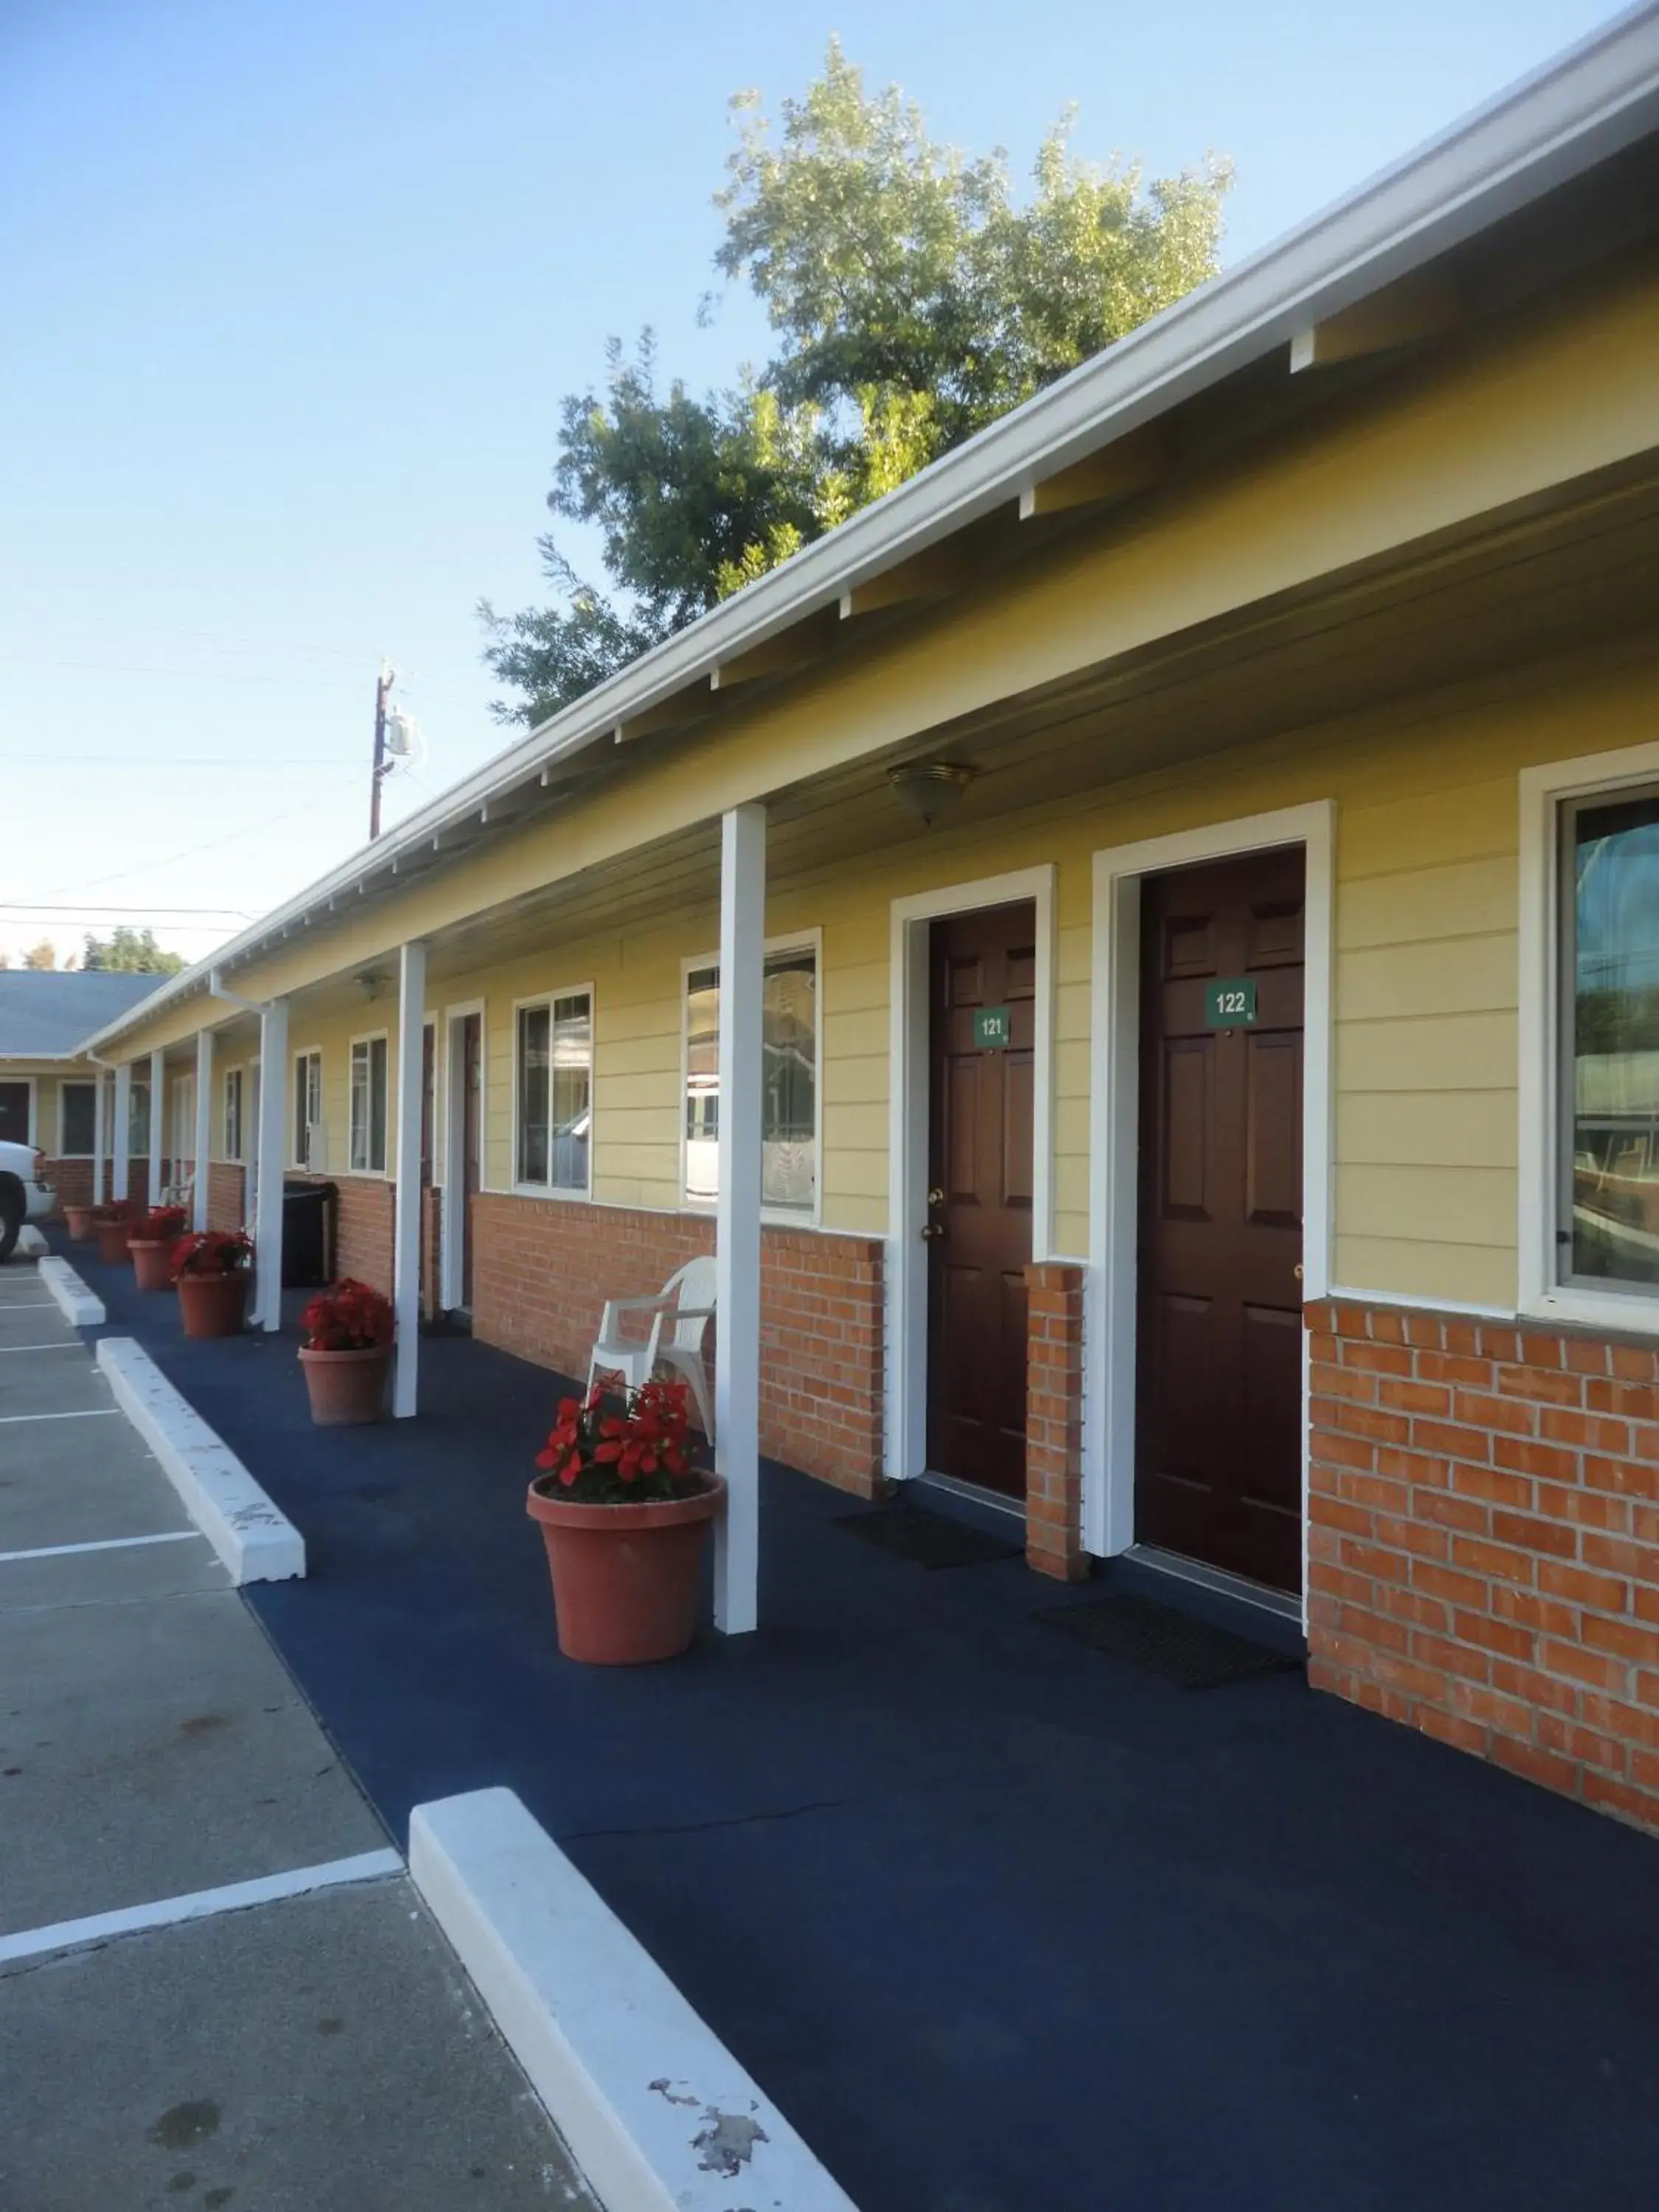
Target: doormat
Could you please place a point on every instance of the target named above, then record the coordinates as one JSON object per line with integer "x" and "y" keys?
{"x": 930, "y": 1539}
{"x": 1190, "y": 1653}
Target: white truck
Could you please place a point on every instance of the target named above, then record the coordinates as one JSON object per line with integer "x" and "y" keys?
{"x": 23, "y": 1195}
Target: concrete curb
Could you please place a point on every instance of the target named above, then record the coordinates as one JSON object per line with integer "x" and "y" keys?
{"x": 657, "y": 2112}
{"x": 255, "y": 1542}
{"x": 78, "y": 1305}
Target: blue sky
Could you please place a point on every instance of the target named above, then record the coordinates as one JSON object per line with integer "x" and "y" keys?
{"x": 291, "y": 290}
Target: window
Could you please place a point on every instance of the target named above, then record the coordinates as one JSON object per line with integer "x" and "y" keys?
{"x": 234, "y": 1113}
{"x": 307, "y": 1110}
{"x": 554, "y": 1092}
{"x": 368, "y": 1079}
{"x": 789, "y": 1080}
{"x": 16, "y": 1111}
{"x": 78, "y": 1116}
{"x": 1607, "y": 1224}
{"x": 139, "y": 1121}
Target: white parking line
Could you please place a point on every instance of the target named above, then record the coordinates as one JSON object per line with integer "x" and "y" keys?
{"x": 86, "y": 1414}
{"x": 198, "y": 1905}
{"x": 67, "y": 1344}
{"x": 27, "y": 1305}
{"x": 105, "y": 1544}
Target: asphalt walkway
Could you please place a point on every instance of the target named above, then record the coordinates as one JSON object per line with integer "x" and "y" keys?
{"x": 1004, "y": 1924}
{"x": 316, "y": 2051}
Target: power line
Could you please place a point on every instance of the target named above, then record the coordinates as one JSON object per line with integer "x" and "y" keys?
{"x": 190, "y": 851}
{"x": 103, "y": 912}
{"x": 169, "y": 760}
{"x": 314, "y": 683}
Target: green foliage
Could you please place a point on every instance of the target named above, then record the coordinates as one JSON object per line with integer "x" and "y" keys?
{"x": 914, "y": 302}
{"x": 130, "y": 952}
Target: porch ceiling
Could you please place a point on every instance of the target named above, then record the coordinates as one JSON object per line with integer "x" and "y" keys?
{"x": 1546, "y": 578}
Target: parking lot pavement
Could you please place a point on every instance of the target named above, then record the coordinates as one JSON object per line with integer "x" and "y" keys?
{"x": 317, "y": 2051}
{"x": 312, "y": 2056}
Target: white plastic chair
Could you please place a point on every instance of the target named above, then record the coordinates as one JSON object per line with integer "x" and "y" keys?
{"x": 680, "y": 1314}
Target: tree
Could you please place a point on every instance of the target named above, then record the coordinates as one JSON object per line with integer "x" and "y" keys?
{"x": 130, "y": 952}
{"x": 913, "y": 300}
{"x": 41, "y": 955}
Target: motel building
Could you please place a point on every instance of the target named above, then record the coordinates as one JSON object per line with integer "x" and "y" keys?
{"x": 1139, "y": 954}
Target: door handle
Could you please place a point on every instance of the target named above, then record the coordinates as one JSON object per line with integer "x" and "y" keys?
{"x": 936, "y": 1197}
{"x": 931, "y": 1230}
{"x": 1297, "y": 1271}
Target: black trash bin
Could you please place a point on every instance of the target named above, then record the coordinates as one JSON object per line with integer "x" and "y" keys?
{"x": 308, "y": 1213}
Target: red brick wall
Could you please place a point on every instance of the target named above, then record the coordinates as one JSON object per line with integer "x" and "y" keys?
{"x": 72, "y": 1180}
{"x": 226, "y": 1195}
{"x": 362, "y": 1234}
{"x": 1053, "y": 1422}
{"x": 542, "y": 1269}
{"x": 1484, "y": 1542}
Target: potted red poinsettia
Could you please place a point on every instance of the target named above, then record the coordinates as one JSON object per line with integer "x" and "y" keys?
{"x": 213, "y": 1268}
{"x": 348, "y": 1331}
{"x": 113, "y": 1222}
{"x": 150, "y": 1240}
{"x": 625, "y": 1515}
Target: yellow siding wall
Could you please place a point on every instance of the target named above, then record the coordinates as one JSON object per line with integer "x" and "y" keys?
{"x": 1425, "y": 1057}
{"x": 1424, "y": 978}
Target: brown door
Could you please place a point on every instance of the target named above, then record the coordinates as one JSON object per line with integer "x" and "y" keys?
{"x": 979, "y": 1219}
{"x": 471, "y": 1140}
{"x": 1218, "y": 1384}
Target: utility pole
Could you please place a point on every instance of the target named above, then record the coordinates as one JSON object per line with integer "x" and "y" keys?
{"x": 382, "y": 693}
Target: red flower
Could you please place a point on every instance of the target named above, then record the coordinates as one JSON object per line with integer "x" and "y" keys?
{"x": 349, "y": 1317}
{"x": 609, "y": 1457}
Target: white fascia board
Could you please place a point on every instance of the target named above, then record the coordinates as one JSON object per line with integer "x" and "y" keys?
{"x": 1590, "y": 103}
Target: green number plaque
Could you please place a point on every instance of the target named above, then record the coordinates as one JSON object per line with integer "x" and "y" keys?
{"x": 991, "y": 1029}
{"x": 1230, "y": 1003}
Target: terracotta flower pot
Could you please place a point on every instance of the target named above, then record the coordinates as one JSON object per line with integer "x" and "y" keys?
{"x": 212, "y": 1305}
{"x": 113, "y": 1242}
{"x": 346, "y": 1387}
{"x": 626, "y": 1578}
{"x": 77, "y": 1219}
{"x": 152, "y": 1262}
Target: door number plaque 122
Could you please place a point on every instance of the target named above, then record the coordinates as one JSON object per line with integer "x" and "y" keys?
{"x": 1230, "y": 1003}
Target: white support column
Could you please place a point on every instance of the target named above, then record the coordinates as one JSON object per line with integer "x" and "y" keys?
{"x": 273, "y": 1112}
{"x": 121, "y": 1135}
{"x": 100, "y": 1132}
{"x": 406, "y": 1228}
{"x": 737, "y": 1219}
{"x": 158, "y": 1117}
{"x": 203, "y": 1159}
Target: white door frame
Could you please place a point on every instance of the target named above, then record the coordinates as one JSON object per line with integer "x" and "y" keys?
{"x": 1111, "y": 1319}
{"x": 908, "y": 1053}
{"x": 448, "y": 1166}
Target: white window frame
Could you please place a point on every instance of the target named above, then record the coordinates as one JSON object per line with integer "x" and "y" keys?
{"x": 781, "y": 1216}
{"x": 452, "y": 1075}
{"x": 516, "y": 1184}
{"x": 310, "y": 1054}
{"x": 237, "y": 1075}
{"x": 368, "y": 1037}
{"x": 1540, "y": 1078}
{"x": 66, "y": 1083}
